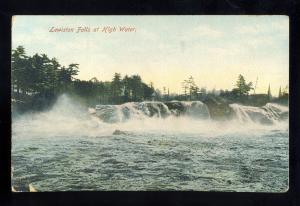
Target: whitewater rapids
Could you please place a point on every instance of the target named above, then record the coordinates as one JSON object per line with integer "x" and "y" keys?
{"x": 158, "y": 148}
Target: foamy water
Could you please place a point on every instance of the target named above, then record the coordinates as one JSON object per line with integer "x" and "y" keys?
{"x": 67, "y": 148}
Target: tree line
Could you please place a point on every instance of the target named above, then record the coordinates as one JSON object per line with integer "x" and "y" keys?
{"x": 39, "y": 75}
{"x": 240, "y": 92}
{"x": 118, "y": 90}
{"x": 39, "y": 78}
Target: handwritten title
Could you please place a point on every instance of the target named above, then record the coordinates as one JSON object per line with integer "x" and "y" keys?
{"x": 88, "y": 29}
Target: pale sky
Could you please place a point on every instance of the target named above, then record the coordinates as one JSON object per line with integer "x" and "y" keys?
{"x": 166, "y": 49}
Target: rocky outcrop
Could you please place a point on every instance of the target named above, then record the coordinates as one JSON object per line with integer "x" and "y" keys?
{"x": 219, "y": 109}
{"x": 119, "y": 132}
{"x": 177, "y": 108}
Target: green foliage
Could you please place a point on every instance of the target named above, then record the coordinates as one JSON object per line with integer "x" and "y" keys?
{"x": 39, "y": 77}
{"x": 242, "y": 88}
{"x": 39, "y": 74}
{"x": 189, "y": 87}
{"x": 284, "y": 94}
{"x": 279, "y": 93}
{"x": 20, "y": 68}
{"x": 116, "y": 87}
{"x": 269, "y": 93}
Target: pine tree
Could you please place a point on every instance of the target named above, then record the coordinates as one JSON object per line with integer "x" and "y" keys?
{"x": 116, "y": 85}
{"x": 269, "y": 93}
{"x": 185, "y": 86}
{"x": 190, "y": 86}
{"x": 126, "y": 88}
{"x": 279, "y": 94}
{"x": 242, "y": 88}
{"x": 20, "y": 74}
{"x": 72, "y": 71}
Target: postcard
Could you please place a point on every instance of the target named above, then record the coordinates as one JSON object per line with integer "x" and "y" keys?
{"x": 150, "y": 103}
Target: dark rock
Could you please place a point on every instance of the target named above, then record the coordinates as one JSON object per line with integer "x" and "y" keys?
{"x": 176, "y": 107}
{"x": 119, "y": 132}
{"x": 156, "y": 108}
{"x": 219, "y": 108}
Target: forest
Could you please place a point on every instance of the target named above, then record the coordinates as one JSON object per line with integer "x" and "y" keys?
{"x": 36, "y": 82}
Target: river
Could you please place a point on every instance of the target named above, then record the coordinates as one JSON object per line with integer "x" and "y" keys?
{"x": 68, "y": 149}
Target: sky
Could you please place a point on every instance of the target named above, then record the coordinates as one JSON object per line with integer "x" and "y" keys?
{"x": 166, "y": 50}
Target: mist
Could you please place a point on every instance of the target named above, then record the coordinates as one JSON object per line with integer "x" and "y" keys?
{"x": 69, "y": 118}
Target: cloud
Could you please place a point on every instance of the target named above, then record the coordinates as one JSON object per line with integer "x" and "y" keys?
{"x": 224, "y": 51}
{"x": 281, "y": 27}
{"x": 250, "y": 29}
{"x": 200, "y": 32}
{"x": 160, "y": 47}
{"x": 206, "y": 31}
{"x": 37, "y": 36}
{"x": 148, "y": 35}
{"x": 260, "y": 28}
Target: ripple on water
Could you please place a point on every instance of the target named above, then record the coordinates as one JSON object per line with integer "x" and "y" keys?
{"x": 153, "y": 162}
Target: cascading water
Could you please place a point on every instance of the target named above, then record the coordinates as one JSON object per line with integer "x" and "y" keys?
{"x": 141, "y": 110}
{"x": 131, "y": 110}
{"x": 196, "y": 109}
{"x": 268, "y": 114}
{"x": 118, "y": 113}
{"x": 151, "y": 146}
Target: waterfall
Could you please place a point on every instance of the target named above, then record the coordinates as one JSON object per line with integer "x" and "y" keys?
{"x": 196, "y": 109}
{"x": 268, "y": 114}
{"x": 68, "y": 117}
{"x": 141, "y": 110}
